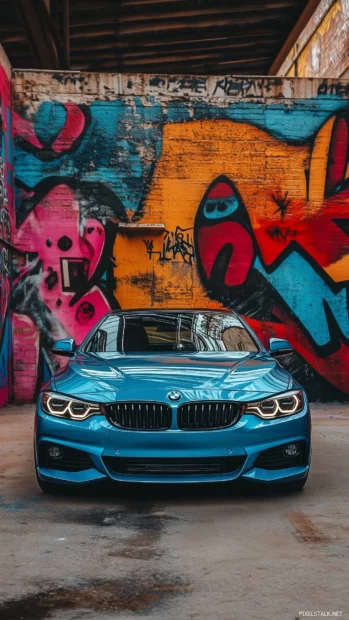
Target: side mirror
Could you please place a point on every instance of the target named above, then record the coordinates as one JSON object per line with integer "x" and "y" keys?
{"x": 66, "y": 347}
{"x": 278, "y": 346}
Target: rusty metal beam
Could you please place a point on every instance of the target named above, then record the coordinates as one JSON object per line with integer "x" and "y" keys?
{"x": 293, "y": 36}
{"x": 40, "y": 32}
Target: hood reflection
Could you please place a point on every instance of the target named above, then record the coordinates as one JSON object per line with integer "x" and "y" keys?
{"x": 240, "y": 371}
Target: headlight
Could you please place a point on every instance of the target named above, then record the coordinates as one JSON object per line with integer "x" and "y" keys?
{"x": 286, "y": 404}
{"x": 65, "y": 407}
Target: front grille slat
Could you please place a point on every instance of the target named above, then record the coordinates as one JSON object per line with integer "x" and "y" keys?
{"x": 174, "y": 466}
{"x": 216, "y": 419}
{"x": 208, "y": 415}
{"x": 139, "y": 415}
{"x": 202, "y": 416}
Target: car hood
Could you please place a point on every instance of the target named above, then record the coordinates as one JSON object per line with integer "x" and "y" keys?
{"x": 106, "y": 377}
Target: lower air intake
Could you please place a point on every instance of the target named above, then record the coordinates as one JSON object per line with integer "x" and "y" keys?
{"x": 174, "y": 467}
{"x": 275, "y": 458}
{"x": 69, "y": 460}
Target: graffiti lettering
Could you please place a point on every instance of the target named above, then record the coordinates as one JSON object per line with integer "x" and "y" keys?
{"x": 177, "y": 243}
{"x": 340, "y": 89}
{"x": 68, "y": 79}
{"x": 176, "y": 84}
{"x": 281, "y": 234}
{"x": 246, "y": 87}
{"x": 282, "y": 204}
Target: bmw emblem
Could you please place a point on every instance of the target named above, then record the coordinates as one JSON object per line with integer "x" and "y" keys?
{"x": 174, "y": 396}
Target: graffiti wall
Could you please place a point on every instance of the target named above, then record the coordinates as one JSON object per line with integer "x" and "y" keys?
{"x": 6, "y": 227}
{"x": 140, "y": 191}
{"x": 322, "y": 47}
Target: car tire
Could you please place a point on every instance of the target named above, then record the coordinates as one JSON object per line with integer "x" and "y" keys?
{"x": 49, "y": 487}
{"x": 295, "y": 485}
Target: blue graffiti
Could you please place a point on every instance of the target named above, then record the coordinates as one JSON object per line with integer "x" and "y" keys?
{"x": 306, "y": 293}
{"x": 123, "y": 141}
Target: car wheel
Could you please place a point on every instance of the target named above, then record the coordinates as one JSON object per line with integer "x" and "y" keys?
{"x": 47, "y": 487}
{"x": 50, "y": 487}
{"x": 295, "y": 485}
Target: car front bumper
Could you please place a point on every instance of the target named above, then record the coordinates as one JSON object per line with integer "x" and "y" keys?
{"x": 99, "y": 439}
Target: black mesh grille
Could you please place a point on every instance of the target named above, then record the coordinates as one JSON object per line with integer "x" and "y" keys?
{"x": 276, "y": 459}
{"x": 174, "y": 467}
{"x": 208, "y": 415}
{"x": 71, "y": 459}
{"x": 140, "y": 416}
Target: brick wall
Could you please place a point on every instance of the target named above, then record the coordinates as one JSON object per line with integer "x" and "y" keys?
{"x": 322, "y": 50}
{"x": 6, "y": 226}
{"x": 182, "y": 191}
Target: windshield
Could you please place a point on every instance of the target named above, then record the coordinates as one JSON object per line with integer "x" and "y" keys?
{"x": 170, "y": 332}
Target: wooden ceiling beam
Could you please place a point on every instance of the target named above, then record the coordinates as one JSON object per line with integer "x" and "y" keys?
{"x": 65, "y": 32}
{"x": 98, "y": 6}
{"x": 245, "y": 7}
{"x": 151, "y": 35}
{"x": 196, "y": 24}
{"x": 188, "y": 54}
{"x": 217, "y": 58}
{"x": 142, "y": 50}
{"x": 104, "y": 26}
{"x": 40, "y": 33}
{"x": 94, "y": 21}
{"x": 220, "y": 56}
{"x": 244, "y": 61}
{"x": 208, "y": 48}
{"x": 16, "y": 48}
{"x": 125, "y": 4}
{"x": 9, "y": 28}
{"x": 95, "y": 33}
{"x": 222, "y": 34}
{"x": 13, "y": 38}
{"x": 199, "y": 68}
{"x": 90, "y": 5}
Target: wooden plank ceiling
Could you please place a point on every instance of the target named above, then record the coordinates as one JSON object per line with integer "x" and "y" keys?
{"x": 150, "y": 36}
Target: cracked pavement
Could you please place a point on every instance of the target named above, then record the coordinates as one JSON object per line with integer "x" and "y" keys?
{"x": 175, "y": 552}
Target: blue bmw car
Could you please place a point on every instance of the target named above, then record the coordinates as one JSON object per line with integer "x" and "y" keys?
{"x": 179, "y": 396}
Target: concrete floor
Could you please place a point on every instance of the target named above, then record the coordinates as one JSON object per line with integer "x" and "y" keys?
{"x": 175, "y": 553}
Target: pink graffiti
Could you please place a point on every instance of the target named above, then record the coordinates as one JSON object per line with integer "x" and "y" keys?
{"x": 25, "y": 129}
{"x": 69, "y": 250}
{"x": 26, "y": 338}
{"x": 6, "y": 227}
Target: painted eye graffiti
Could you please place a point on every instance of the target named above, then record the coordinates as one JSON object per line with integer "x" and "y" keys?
{"x": 221, "y": 202}
{"x": 223, "y": 237}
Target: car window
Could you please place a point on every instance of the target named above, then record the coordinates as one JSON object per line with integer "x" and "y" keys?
{"x": 105, "y": 338}
{"x": 171, "y": 332}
